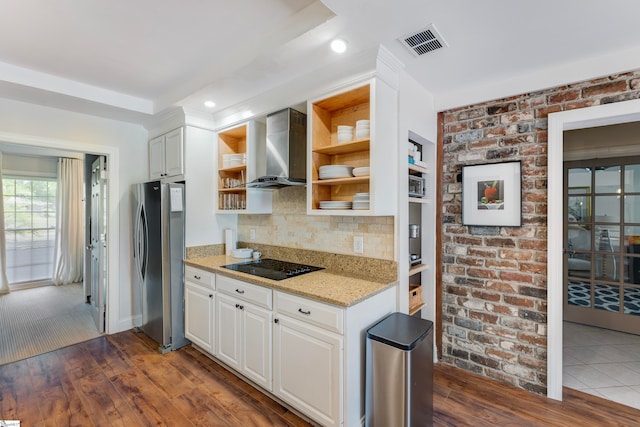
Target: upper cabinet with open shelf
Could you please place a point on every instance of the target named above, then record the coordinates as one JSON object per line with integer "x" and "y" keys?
{"x": 339, "y": 192}
{"x": 241, "y": 152}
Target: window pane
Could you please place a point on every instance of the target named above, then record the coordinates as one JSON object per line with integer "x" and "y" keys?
{"x": 608, "y": 180}
{"x": 607, "y": 297}
{"x": 607, "y": 209}
{"x": 23, "y": 187}
{"x": 579, "y": 180}
{"x": 632, "y": 178}
{"x": 579, "y": 209}
{"x": 8, "y": 187}
{"x": 579, "y": 293}
{"x": 631, "y": 209}
{"x": 631, "y": 300}
{"x": 32, "y": 214}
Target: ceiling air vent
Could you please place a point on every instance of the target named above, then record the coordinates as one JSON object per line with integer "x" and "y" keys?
{"x": 424, "y": 41}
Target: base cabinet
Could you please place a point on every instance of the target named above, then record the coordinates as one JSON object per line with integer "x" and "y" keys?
{"x": 308, "y": 369}
{"x": 199, "y": 308}
{"x": 244, "y": 331}
{"x": 309, "y": 354}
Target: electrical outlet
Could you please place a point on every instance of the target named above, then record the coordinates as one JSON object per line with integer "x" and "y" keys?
{"x": 358, "y": 244}
{"x": 252, "y": 234}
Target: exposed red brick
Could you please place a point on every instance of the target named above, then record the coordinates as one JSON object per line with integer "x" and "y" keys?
{"x": 511, "y": 276}
{"x": 531, "y": 362}
{"x": 581, "y": 104}
{"x": 558, "y": 98}
{"x": 533, "y": 339}
{"x": 539, "y": 245}
{"x": 476, "y": 262}
{"x": 502, "y": 309}
{"x": 481, "y": 252}
{"x": 457, "y": 290}
{"x": 532, "y": 102}
{"x": 482, "y": 273}
{"x": 501, "y": 354}
{"x": 501, "y": 264}
{"x": 604, "y": 89}
{"x": 519, "y": 301}
{"x": 634, "y": 84}
{"x": 455, "y": 269}
{"x": 500, "y": 242}
{"x": 534, "y": 197}
{"x": 474, "y": 241}
{"x": 516, "y": 117}
{"x": 543, "y": 112}
{"x": 483, "y": 143}
{"x": 487, "y": 296}
{"x": 501, "y": 287}
{"x": 484, "y": 317}
{"x": 515, "y": 254}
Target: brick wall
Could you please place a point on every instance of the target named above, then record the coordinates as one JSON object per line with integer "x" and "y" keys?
{"x": 494, "y": 278}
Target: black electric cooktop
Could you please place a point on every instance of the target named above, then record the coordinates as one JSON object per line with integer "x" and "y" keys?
{"x": 272, "y": 268}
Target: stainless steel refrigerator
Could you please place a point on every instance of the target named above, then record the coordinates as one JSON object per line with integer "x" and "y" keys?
{"x": 158, "y": 253}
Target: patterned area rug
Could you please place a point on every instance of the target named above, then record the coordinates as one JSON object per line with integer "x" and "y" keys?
{"x": 606, "y": 297}
{"x": 39, "y": 320}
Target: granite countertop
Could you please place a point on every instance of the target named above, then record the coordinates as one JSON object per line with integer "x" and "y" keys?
{"x": 324, "y": 285}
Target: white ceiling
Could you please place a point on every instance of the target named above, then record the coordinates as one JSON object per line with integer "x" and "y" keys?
{"x": 132, "y": 59}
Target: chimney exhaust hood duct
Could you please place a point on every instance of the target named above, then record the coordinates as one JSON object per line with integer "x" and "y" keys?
{"x": 286, "y": 151}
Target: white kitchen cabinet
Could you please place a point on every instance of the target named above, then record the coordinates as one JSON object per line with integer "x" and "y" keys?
{"x": 241, "y": 159}
{"x": 308, "y": 369}
{"x": 199, "y": 308}
{"x": 372, "y": 100}
{"x": 166, "y": 155}
{"x": 244, "y": 334}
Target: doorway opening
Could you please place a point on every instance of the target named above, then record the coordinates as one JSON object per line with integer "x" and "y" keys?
{"x": 40, "y": 146}
{"x": 602, "y": 115}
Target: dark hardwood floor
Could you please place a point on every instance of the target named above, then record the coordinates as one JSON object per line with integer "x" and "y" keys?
{"x": 120, "y": 380}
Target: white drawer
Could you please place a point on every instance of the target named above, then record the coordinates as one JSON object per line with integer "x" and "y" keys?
{"x": 201, "y": 277}
{"x": 323, "y": 315}
{"x": 258, "y": 295}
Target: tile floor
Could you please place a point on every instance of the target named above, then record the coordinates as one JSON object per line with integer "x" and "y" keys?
{"x": 602, "y": 362}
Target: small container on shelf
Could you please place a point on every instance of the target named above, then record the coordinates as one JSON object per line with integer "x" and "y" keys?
{"x": 416, "y": 186}
{"x": 415, "y": 296}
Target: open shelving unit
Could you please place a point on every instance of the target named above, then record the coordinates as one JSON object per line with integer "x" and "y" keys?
{"x": 326, "y": 115}
{"x": 232, "y": 192}
{"x": 417, "y": 200}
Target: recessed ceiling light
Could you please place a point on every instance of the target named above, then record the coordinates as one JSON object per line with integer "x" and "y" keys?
{"x": 338, "y": 45}
{"x": 209, "y": 104}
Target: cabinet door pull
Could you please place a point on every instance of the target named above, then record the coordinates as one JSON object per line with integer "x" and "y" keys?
{"x": 241, "y": 307}
{"x": 307, "y": 313}
{"x": 197, "y": 277}
{"x": 240, "y": 291}
{"x": 210, "y": 295}
{"x": 276, "y": 320}
{"x": 237, "y": 305}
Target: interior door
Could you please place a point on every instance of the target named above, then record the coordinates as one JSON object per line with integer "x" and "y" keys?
{"x": 602, "y": 243}
{"x": 98, "y": 241}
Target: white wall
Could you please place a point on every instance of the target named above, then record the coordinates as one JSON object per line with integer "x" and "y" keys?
{"x": 39, "y": 124}
{"x": 203, "y": 227}
{"x": 417, "y": 114}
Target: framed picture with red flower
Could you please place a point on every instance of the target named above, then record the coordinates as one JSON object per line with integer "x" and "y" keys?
{"x": 492, "y": 194}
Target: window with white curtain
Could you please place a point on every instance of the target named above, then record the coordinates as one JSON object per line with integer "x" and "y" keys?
{"x": 30, "y": 225}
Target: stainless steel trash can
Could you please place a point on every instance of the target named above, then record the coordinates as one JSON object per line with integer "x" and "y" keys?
{"x": 399, "y": 372}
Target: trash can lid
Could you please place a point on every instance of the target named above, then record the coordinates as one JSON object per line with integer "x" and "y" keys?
{"x": 400, "y": 330}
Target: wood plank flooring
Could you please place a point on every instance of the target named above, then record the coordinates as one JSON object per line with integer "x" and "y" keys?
{"x": 120, "y": 380}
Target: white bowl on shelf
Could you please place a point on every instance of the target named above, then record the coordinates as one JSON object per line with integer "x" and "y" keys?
{"x": 363, "y": 124}
{"x": 344, "y": 128}
{"x": 364, "y": 171}
{"x": 345, "y": 136}
{"x": 362, "y": 133}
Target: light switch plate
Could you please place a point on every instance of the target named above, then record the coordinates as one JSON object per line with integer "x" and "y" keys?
{"x": 358, "y": 244}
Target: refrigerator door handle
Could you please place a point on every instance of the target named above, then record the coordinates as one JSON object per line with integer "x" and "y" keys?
{"x": 144, "y": 236}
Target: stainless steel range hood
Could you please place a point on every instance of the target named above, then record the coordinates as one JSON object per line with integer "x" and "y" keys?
{"x": 286, "y": 151}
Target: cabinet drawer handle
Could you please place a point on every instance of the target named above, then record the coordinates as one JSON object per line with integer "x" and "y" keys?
{"x": 197, "y": 277}
{"x": 210, "y": 295}
{"x": 307, "y": 313}
{"x": 241, "y": 307}
{"x": 240, "y": 291}
{"x": 276, "y": 320}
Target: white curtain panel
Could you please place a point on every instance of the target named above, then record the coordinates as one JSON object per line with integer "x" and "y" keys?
{"x": 4, "y": 283}
{"x": 69, "y": 245}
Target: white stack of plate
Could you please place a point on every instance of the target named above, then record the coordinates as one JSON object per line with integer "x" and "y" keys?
{"x": 364, "y": 171}
{"x": 362, "y": 129}
{"x": 345, "y": 133}
{"x": 360, "y": 201}
{"x": 335, "y": 204}
{"x": 335, "y": 171}
{"x": 231, "y": 160}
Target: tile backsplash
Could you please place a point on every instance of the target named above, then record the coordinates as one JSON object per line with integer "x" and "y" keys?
{"x": 290, "y": 226}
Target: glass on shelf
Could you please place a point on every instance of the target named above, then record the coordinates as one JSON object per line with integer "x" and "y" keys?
{"x": 232, "y": 201}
